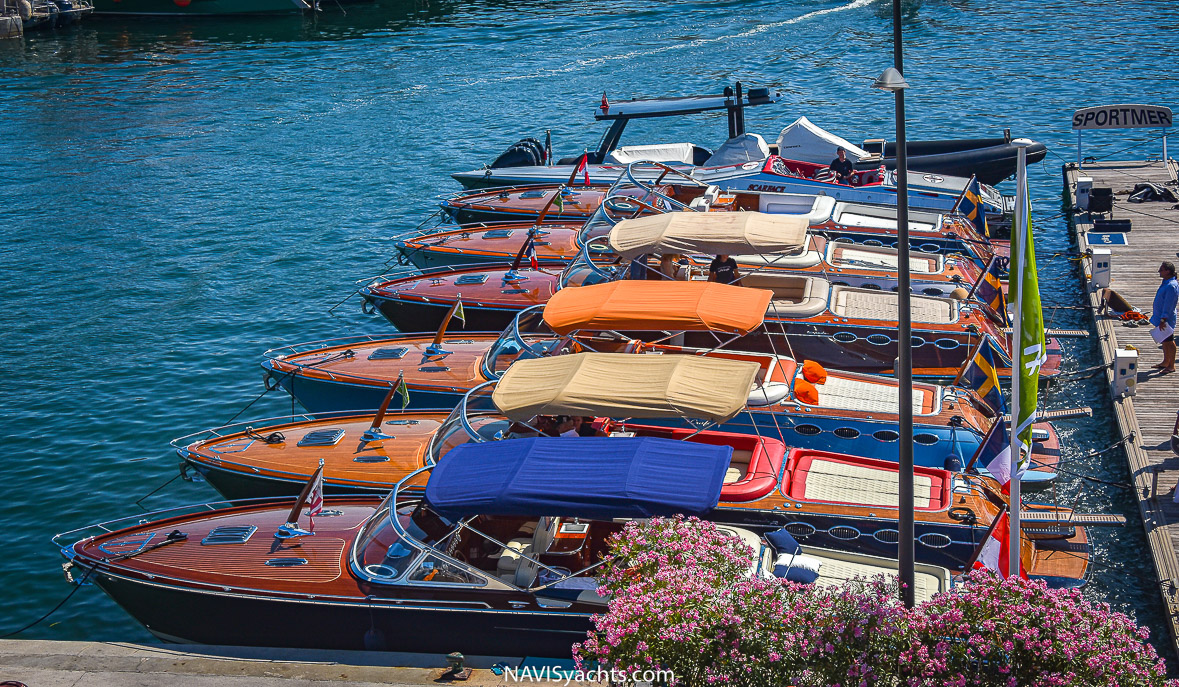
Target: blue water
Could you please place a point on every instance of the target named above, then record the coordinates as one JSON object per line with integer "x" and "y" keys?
{"x": 180, "y": 195}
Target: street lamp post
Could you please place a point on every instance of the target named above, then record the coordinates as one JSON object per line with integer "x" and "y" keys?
{"x": 893, "y": 80}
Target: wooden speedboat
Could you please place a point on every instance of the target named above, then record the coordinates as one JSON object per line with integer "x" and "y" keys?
{"x": 555, "y": 245}
{"x": 852, "y": 412}
{"x": 498, "y": 545}
{"x": 360, "y": 454}
{"x": 796, "y": 250}
{"x": 535, "y": 203}
{"x": 837, "y": 326}
{"x": 872, "y": 225}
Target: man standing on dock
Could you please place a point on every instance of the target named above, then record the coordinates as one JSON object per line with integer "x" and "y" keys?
{"x": 1162, "y": 316}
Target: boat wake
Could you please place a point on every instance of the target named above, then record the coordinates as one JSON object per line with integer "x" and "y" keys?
{"x": 592, "y": 62}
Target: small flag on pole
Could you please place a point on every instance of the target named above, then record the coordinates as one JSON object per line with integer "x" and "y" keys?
{"x": 970, "y": 204}
{"x": 558, "y": 201}
{"x": 989, "y": 290}
{"x": 605, "y": 104}
{"x": 979, "y": 374}
{"x": 530, "y": 253}
{"x": 996, "y": 549}
{"x": 402, "y": 390}
{"x": 583, "y": 168}
{"x": 458, "y": 312}
{"x": 315, "y": 497}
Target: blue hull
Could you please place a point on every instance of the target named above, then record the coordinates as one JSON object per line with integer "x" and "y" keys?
{"x": 327, "y": 396}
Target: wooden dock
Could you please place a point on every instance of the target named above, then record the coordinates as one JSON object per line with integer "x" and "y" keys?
{"x": 1148, "y": 416}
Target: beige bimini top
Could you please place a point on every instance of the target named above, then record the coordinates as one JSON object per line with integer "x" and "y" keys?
{"x": 712, "y": 233}
{"x": 624, "y": 385}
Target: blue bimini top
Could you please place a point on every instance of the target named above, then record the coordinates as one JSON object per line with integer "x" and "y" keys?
{"x": 597, "y": 478}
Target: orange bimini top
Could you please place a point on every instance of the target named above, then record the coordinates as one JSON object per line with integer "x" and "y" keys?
{"x": 658, "y": 305}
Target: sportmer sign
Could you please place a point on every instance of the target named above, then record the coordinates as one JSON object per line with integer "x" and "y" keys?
{"x": 1122, "y": 117}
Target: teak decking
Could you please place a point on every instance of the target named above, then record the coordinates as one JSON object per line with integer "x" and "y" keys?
{"x": 1149, "y": 416}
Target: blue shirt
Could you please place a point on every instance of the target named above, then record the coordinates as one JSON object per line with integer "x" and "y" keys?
{"x": 1164, "y": 303}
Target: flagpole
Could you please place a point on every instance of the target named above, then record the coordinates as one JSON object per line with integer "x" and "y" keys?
{"x": 1019, "y": 231}
{"x": 893, "y": 80}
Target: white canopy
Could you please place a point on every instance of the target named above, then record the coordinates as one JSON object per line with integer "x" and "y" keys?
{"x": 805, "y": 141}
{"x": 656, "y": 152}
{"x": 735, "y": 151}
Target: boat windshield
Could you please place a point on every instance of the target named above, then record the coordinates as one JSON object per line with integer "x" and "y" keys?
{"x": 526, "y": 337}
{"x": 474, "y": 419}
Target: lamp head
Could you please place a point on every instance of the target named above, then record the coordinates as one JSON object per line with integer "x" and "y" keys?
{"x": 891, "y": 80}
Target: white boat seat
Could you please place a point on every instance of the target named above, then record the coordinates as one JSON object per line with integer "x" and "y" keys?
{"x": 808, "y": 258}
{"x": 793, "y": 296}
{"x": 870, "y": 396}
{"x": 768, "y": 394}
{"x": 509, "y": 558}
{"x": 699, "y": 204}
{"x": 856, "y": 256}
{"x": 866, "y": 304}
{"x": 546, "y": 531}
{"x": 525, "y": 573}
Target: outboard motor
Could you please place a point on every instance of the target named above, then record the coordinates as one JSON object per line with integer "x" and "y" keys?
{"x": 527, "y": 152}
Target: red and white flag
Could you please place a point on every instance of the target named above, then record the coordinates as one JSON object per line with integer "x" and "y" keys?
{"x": 583, "y": 168}
{"x": 994, "y": 552}
{"x": 995, "y": 455}
{"x": 315, "y": 498}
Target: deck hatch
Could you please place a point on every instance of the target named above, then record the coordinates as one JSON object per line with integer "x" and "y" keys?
{"x": 286, "y": 562}
{"x": 389, "y": 353}
{"x": 322, "y": 437}
{"x": 498, "y": 233}
{"x": 229, "y": 534}
{"x": 470, "y": 279}
{"x": 532, "y": 194}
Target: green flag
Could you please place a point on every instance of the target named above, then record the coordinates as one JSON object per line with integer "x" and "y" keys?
{"x": 403, "y": 391}
{"x": 1030, "y": 352}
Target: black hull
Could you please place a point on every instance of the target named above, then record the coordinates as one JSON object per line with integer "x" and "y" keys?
{"x": 991, "y": 160}
{"x": 180, "y": 614}
{"x": 235, "y": 485}
{"x": 417, "y": 316}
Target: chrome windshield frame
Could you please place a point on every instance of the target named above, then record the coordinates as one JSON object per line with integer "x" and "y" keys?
{"x": 513, "y": 335}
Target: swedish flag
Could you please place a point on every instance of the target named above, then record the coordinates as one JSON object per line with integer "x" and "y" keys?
{"x": 989, "y": 289}
{"x": 979, "y": 374}
{"x": 970, "y": 204}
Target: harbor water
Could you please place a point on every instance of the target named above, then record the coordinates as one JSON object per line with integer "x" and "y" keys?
{"x": 180, "y": 195}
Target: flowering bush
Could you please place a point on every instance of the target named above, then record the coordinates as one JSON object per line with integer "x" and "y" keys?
{"x": 1016, "y": 632}
{"x": 684, "y": 600}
